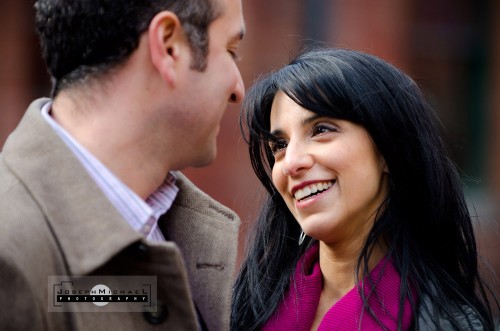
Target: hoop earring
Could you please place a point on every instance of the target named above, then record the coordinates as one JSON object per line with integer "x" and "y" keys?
{"x": 302, "y": 237}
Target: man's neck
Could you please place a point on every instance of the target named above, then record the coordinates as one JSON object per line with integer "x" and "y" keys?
{"x": 112, "y": 133}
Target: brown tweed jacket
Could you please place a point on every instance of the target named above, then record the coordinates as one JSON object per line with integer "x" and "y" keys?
{"x": 55, "y": 221}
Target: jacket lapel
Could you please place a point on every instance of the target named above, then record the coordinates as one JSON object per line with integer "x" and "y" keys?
{"x": 206, "y": 233}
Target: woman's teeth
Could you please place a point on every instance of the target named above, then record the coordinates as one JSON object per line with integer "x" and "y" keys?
{"x": 312, "y": 189}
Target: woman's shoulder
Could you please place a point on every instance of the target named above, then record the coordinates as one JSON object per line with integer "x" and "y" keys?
{"x": 430, "y": 317}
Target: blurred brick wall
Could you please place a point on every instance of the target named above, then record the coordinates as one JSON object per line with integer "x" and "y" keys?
{"x": 377, "y": 27}
{"x": 16, "y": 71}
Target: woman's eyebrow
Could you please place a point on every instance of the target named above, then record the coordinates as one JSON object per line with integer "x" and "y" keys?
{"x": 305, "y": 121}
{"x": 276, "y": 133}
{"x": 311, "y": 118}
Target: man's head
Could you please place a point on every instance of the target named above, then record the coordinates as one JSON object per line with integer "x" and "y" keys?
{"x": 160, "y": 73}
{"x": 196, "y": 100}
{"x": 86, "y": 38}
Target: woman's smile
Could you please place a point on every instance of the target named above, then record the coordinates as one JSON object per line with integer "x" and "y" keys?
{"x": 327, "y": 170}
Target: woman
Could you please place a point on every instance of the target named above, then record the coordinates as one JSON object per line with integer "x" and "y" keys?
{"x": 365, "y": 226}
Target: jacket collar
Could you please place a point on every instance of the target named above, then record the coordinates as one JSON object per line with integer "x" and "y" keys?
{"x": 89, "y": 230}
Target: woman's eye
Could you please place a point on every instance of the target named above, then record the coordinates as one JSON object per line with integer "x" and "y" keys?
{"x": 277, "y": 146}
{"x": 321, "y": 128}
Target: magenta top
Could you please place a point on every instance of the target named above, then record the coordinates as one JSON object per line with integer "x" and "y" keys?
{"x": 298, "y": 309}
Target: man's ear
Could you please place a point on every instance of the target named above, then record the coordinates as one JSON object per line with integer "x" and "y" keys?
{"x": 166, "y": 38}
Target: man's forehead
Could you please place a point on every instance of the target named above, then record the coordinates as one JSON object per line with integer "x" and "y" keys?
{"x": 231, "y": 16}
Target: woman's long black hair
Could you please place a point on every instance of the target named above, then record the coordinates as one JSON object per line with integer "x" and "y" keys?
{"x": 425, "y": 222}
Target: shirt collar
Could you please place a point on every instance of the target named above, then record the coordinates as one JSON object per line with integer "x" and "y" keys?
{"x": 141, "y": 215}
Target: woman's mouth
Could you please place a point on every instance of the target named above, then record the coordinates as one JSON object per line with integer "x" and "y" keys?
{"x": 313, "y": 189}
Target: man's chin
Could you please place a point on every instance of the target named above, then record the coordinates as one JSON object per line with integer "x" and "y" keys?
{"x": 207, "y": 159}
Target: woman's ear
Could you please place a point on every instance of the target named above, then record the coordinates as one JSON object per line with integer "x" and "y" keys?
{"x": 166, "y": 38}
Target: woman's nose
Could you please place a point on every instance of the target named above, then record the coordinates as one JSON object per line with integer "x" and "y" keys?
{"x": 297, "y": 159}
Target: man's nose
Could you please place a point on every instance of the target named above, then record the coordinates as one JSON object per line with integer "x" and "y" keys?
{"x": 239, "y": 90}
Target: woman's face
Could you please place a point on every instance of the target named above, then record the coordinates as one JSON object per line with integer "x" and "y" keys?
{"x": 328, "y": 171}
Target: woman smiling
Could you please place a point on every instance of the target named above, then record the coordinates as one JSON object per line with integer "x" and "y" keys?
{"x": 365, "y": 226}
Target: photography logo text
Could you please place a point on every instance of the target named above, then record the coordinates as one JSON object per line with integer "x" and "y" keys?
{"x": 102, "y": 293}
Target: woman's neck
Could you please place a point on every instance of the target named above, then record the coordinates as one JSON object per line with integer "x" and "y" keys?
{"x": 338, "y": 269}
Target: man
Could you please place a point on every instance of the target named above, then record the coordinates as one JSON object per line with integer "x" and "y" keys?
{"x": 88, "y": 180}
